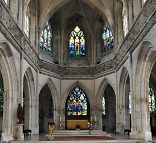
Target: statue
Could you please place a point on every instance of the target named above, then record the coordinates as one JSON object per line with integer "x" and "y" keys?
{"x": 20, "y": 114}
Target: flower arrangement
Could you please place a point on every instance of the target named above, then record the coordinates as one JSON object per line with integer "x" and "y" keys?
{"x": 50, "y": 137}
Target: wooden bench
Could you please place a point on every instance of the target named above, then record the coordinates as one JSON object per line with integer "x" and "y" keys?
{"x": 127, "y": 131}
{"x": 27, "y": 132}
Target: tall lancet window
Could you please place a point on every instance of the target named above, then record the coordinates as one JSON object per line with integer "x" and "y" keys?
{"x": 46, "y": 37}
{"x": 152, "y": 100}
{"x": 27, "y": 25}
{"x": 103, "y": 106}
{"x": 130, "y": 103}
{"x": 107, "y": 39}
{"x": 125, "y": 22}
{"x": 77, "y": 43}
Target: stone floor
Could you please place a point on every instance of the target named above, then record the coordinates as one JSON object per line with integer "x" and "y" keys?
{"x": 79, "y": 137}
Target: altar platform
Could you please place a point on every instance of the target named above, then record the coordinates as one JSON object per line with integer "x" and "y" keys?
{"x": 78, "y": 136}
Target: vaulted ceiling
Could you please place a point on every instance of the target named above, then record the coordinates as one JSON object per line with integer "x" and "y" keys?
{"x": 48, "y": 7}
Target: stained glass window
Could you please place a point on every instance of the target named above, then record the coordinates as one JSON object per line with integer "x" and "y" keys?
{"x": 50, "y": 107}
{"x": 107, "y": 39}
{"x": 77, "y": 102}
{"x": 77, "y": 43}
{"x": 1, "y": 100}
{"x": 130, "y": 103}
{"x": 152, "y": 107}
{"x": 103, "y": 106}
{"x": 46, "y": 37}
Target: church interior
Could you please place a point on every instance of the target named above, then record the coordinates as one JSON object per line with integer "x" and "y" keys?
{"x": 77, "y": 66}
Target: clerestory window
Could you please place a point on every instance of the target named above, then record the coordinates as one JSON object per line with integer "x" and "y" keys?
{"x": 46, "y": 37}
{"x": 107, "y": 39}
{"x": 77, "y": 43}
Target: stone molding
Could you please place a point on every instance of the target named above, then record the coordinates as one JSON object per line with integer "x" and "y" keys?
{"x": 142, "y": 25}
{"x": 16, "y": 36}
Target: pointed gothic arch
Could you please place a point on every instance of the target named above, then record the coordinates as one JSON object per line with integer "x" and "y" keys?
{"x": 53, "y": 99}
{"x": 82, "y": 120}
{"x": 106, "y": 92}
{"x": 66, "y": 93}
{"x": 101, "y": 89}
{"x": 145, "y": 62}
{"x": 28, "y": 97}
{"x": 46, "y": 112}
{"x": 125, "y": 98}
{"x": 8, "y": 70}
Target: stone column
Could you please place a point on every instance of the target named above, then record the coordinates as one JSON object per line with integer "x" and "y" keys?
{"x": 20, "y": 14}
{"x": 130, "y": 14}
{"x": 7, "y": 116}
{"x": 62, "y": 119}
{"x": 136, "y": 8}
{"x": 96, "y": 119}
{"x": 34, "y": 117}
{"x": 140, "y": 114}
{"x": 141, "y": 120}
{"x": 35, "y": 107}
{"x": 56, "y": 119}
{"x": 14, "y": 9}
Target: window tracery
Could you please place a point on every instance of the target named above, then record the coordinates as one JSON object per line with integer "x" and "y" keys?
{"x": 77, "y": 43}
{"x": 46, "y": 37}
{"x": 107, "y": 39}
{"x": 77, "y": 103}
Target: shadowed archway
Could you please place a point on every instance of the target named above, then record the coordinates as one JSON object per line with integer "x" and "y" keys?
{"x": 45, "y": 108}
{"x": 109, "y": 109}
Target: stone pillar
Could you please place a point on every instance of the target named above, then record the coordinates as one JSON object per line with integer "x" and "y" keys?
{"x": 34, "y": 118}
{"x": 96, "y": 119}
{"x": 136, "y": 8}
{"x": 141, "y": 121}
{"x": 7, "y": 118}
{"x": 62, "y": 119}
{"x": 14, "y": 9}
{"x": 140, "y": 116}
{"x": 120, "y": 34}
{"x": 130, "y": 14}
{"x": 20, "y": 14}
{"x": 56, "y": 119}
{"x": 35, "y": 108}
{"x": 6, "y": 137}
